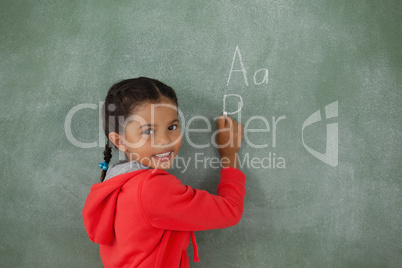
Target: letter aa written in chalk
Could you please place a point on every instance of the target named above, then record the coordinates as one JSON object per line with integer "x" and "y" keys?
{"x": 260, "y": 76}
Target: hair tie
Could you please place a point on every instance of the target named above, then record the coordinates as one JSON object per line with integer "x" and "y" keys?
{"x": 103, "y": 165}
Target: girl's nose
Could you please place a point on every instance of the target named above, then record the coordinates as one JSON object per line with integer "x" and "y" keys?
{"x": 162, "y": 139}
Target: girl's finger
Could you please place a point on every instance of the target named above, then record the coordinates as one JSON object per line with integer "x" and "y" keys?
{"x": 234, "y": 122}
{"x": 228, "y": 122}
{"x": 221, "y": 122}
{"x": 240, "y": 129}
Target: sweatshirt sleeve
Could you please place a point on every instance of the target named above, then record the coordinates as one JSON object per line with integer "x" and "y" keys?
{"x": 168, "y": 204}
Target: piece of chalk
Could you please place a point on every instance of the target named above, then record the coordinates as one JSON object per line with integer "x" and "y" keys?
{"x": 225, "y": 114}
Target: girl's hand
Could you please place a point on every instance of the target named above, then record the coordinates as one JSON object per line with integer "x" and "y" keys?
{"x": 228, "y": 139}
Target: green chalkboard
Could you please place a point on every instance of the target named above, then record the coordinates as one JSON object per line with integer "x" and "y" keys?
{"x": 317, "y": 83}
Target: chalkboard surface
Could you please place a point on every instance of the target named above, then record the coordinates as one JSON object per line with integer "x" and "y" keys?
{"x": 317, "y": 85}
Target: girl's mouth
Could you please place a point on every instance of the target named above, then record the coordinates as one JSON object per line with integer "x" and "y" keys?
{"x": 164, "y": 157}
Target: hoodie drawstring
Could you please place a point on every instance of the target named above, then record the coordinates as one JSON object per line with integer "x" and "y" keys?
{"x": 195, "y": 247}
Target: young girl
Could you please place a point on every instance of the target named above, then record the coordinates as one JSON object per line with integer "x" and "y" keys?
{"x": 139, "y": 214}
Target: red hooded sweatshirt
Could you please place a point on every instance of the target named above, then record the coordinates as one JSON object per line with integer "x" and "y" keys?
{"x": 145, "y": 218}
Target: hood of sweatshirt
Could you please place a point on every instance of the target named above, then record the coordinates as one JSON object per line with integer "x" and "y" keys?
{"x": 123, "y": 167}
{"x": 102, "y": 206}
{"x": 99, "y": 209}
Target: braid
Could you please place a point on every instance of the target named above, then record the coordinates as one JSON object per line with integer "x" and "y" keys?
{"x": 107, "y": 155}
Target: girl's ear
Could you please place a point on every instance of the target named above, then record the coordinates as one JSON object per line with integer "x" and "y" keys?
{"x": 118, "y": 140}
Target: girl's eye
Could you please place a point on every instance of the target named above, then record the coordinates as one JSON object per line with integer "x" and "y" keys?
{"x": 148, "y": 132}
{"x": 151, "y": 131}
{"x": 174, "y": 127}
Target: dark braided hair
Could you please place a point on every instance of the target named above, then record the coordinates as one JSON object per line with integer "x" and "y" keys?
{"x": 122, "y": 100}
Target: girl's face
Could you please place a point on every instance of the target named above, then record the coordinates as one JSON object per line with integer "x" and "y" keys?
{"x": 152, "y": 135}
